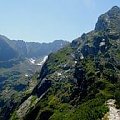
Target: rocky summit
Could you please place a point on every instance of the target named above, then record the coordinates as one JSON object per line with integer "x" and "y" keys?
{"x": 77, "y": 82}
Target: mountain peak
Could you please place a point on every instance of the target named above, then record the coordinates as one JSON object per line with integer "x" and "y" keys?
{"x": 115, "y": 8}
{"x": 110, "y": 21}
{"x": 114, "y": 12}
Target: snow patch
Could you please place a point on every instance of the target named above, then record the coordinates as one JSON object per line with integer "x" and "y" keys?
{"x": 59, "y": 74}
{"x": 43, "y": 61}
{"x": 26, "y": 75}
{"x": 102, "y": 43}
{"x": 32, "y": 61}
{"x": 75, "y": 62}
{"x": 81, "y": 57}
{"x": 103, "y": 40}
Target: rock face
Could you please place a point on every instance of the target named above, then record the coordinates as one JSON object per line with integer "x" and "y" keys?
{"x": 76, "y": 81}
{"x": 109, "y": 21}
{"x": 114, "y": 113}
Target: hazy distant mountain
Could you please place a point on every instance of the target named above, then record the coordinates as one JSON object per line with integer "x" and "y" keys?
{"x": 10, "y": 49}
{"x": 19, "y": 46}
{"x": 6, "y": 51}
{"x": 42, "y": 49}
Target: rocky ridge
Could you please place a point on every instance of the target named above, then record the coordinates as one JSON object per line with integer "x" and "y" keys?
{"x": 76, "y": 81}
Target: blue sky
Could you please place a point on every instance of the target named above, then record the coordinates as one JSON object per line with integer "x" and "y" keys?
{"x": 48, "y": 20}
